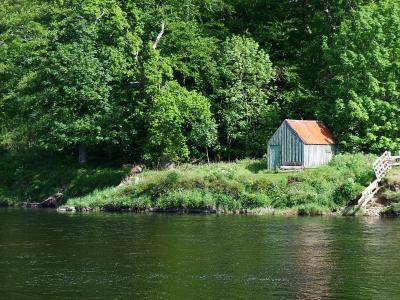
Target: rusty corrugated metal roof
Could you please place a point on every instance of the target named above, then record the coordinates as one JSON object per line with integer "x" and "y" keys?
{"x": 312, "y": 132}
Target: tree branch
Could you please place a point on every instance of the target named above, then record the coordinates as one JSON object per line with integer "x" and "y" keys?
{"x": 159, "y": 36}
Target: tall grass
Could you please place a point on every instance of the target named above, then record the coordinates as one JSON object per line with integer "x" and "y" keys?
{"x": 242, "y": 185}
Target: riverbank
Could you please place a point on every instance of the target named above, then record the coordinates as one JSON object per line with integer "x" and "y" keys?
{"x": 390, "y": 195}
{"x": 386, "y": 203}
{"x": 34, "y": 176}
{"x": 244, "y": 186}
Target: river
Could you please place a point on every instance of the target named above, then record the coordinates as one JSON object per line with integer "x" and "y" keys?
{"x": 48, "y": 255}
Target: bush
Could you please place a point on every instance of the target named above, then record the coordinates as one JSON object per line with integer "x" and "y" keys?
{"x": 6, "y": 201}
{"x": 278, "y": 194}
{"x": 249, "y": 200}
{"x": 391, "y": 196}
{"x": 226, "y": 202}
{"x": 347, "y": 191}
{"x": 301, "y": 193}
{"x": 392, "y": 211}
{"x": 311, "y": 209}
{"x": 357, "y": 166}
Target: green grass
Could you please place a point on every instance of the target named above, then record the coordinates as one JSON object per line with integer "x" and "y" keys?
{"x": 244, "y": 185}
{"x": 392, "y": 185}
{"x": 241, "y": 186}
{"x": 391, "y": 193}
{"x": 34, "y": 177}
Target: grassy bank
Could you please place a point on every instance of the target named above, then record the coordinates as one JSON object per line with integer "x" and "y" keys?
{"x": 391, "y": 193}
{"x": 242, "y": 185}
{"x": 33, "y": 177}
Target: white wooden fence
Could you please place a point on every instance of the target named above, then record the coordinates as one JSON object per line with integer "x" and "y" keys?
{"x": 381, "y": 166}
{"x": 369, "y": 193}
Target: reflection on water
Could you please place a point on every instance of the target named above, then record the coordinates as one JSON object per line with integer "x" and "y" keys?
{"x": 59, "y": 256}
{"x": 312, "y": 263}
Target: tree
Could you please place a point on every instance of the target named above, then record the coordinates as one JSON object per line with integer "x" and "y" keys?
{"x": 24, "y": 42}
{"x": 320, "y": 70}
{"x": 32, "y": 32}
{"x": 204, "y": 135}
{"x": 113, "y": 28}
{"x": 245, "y": 111}
{"x": 69, "y": 99}
{"x": 191, "y": 54}
{"x": 173, "y": 114}
{"x": 362, "y": 74}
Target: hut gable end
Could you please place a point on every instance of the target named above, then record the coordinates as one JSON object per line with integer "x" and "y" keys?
{"x": 284, "y": 147}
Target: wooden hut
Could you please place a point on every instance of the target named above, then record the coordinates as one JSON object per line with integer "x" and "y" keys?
{"x": 303, "y": 143}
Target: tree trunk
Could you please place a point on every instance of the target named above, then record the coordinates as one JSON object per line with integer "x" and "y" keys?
{"x": 228, "y": 142}
{"x": 208, "y": 157}
{"x": 82, "y": 153}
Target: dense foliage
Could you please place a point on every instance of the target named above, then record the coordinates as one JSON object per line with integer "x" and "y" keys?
{"x": 174, "y": 81}
{"x": 363, "y": 63}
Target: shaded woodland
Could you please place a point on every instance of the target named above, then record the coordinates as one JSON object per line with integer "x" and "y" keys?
{"x": 190, "y": 80}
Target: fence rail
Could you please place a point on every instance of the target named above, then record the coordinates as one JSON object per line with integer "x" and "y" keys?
{"x": 369, "y": 193}
{"x": 381, "y": 166}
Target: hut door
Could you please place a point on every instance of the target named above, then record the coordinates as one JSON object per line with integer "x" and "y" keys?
{"x": 275, "y": 156}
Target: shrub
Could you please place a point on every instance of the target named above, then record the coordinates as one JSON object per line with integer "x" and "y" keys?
{"x": 262, "y": 185}
{"x": 249, "y": 200}
{"x": 392, "y": 211}
{"x": 6, "y": 201}
{"x": 226, "y": 202}
{"x": 347, "y": 191}
{"x": 311, "y": 209}
{"x": 301, "y": 193}
{"x": 356, "y": 165}
{"x": 391, "y": 196}
{"x": 278, "y": 195}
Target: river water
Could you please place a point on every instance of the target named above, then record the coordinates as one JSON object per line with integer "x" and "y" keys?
{"x": 47, "y": 255}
